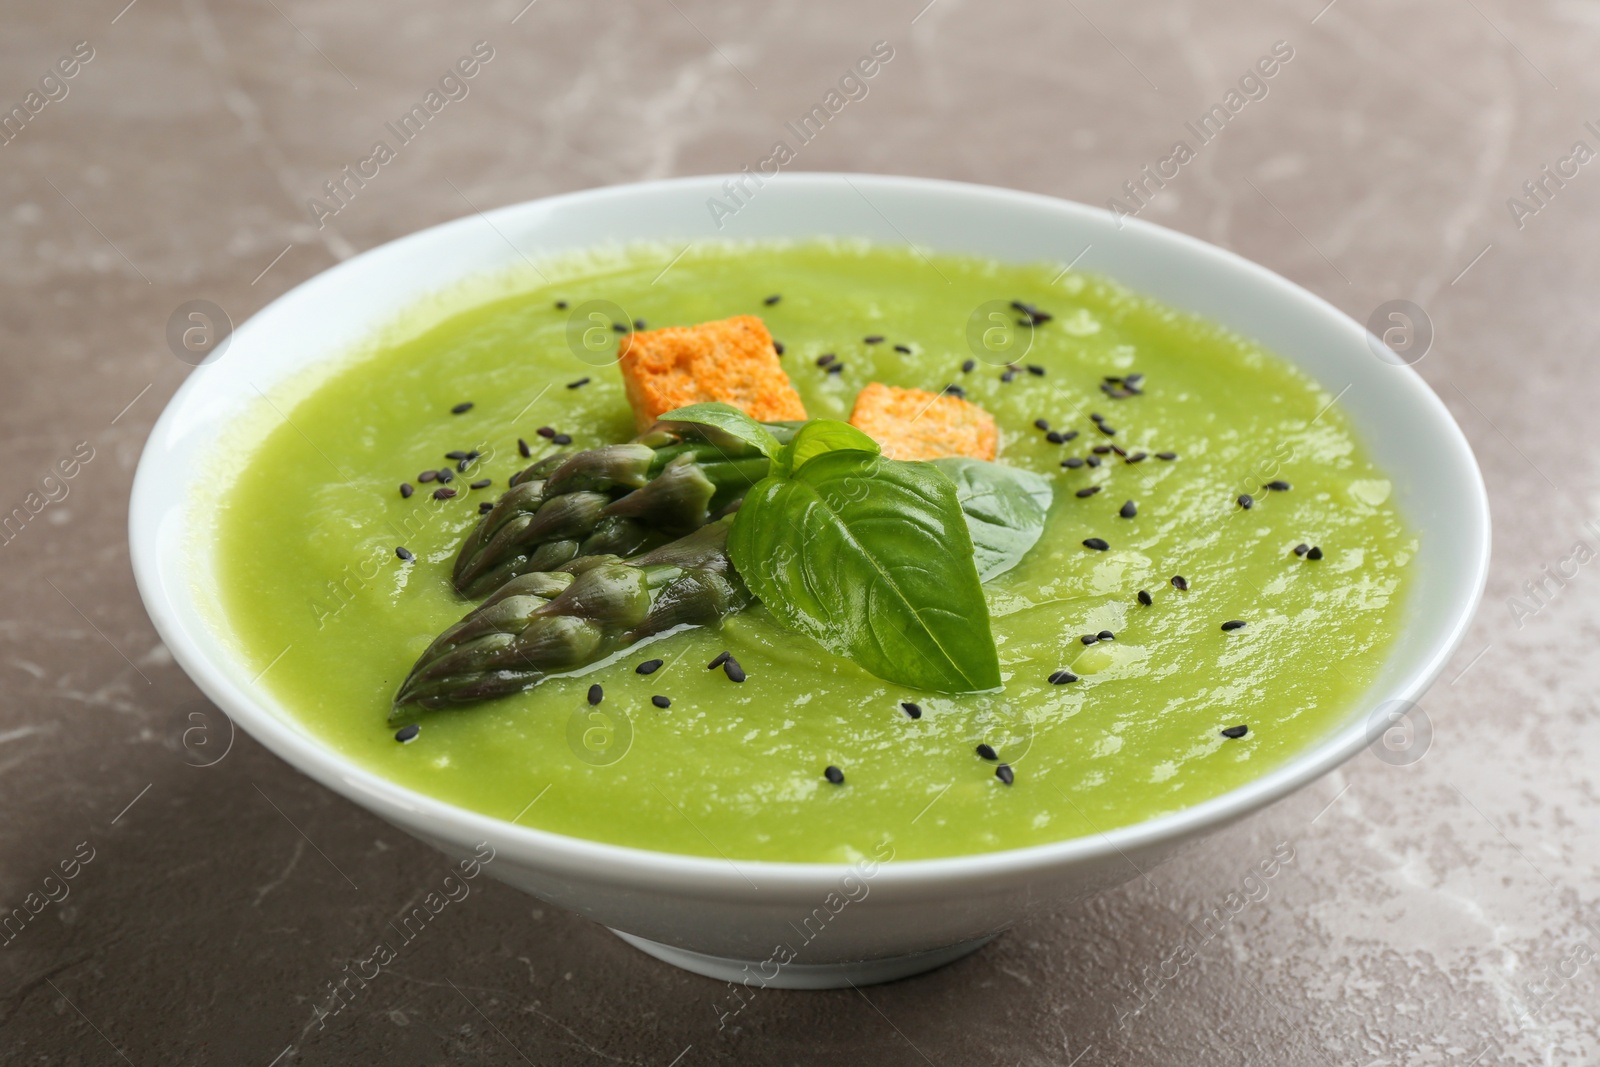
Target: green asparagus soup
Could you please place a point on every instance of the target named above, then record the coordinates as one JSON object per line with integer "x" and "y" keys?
{"x": 1198, "y": 482}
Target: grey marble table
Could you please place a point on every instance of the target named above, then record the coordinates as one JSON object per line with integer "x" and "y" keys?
{"x": 1436, "y": 912}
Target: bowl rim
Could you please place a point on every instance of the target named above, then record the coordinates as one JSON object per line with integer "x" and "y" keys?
{"x": 605, "y": 861}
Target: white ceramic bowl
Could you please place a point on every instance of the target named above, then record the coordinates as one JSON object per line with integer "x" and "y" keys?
{"x": 710, "y": 915}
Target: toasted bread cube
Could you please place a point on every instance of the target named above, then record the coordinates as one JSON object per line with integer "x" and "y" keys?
{"x": 916, "y": 424}
{"x": 732, "y": 361}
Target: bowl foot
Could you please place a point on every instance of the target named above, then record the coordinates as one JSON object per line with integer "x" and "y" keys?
{"x": 805, "y": 975}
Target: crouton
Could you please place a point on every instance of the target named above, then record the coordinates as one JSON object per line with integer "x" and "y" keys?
{"x": 914, "y": 424}
{"x": 732, "y": 360}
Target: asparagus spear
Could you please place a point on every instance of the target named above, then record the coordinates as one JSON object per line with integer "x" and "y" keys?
{"x": 611, "y": 500}
{"x": 541, "y": 623}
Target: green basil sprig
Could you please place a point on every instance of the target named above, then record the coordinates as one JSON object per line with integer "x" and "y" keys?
{"x": 869, "y": 556}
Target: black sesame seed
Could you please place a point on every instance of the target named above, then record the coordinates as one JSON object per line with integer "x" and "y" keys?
{"x": 485, "y": 507}
{"x": 580, "y": 383}
{"x": 619, "y": 327}
{"x": 546, "y": 431}
{"x": 1054, "y": 438}
{"x": 1180, "y": 583}
{"x": 1118, "y": 449}
{"x": 1088, "y": 491}
{"x": 443, "y": 494}
{"x": 1314, "y": 552}
{"x": 1089, "y": 639}
{"x": 638, "y": 324}
{"x": 1096, "y": 543}
{"x": 427, "y": 476}
{"x": 1236, "y": 731}
{"x": 1005, "y": 773}
{"x": 1069, "y": 435}
{"x": 1137, "y": 457}
{"x": 474, "y": 454}
{"x": 836, "y": 368}
{"x": 444, "y": 475}
{"x": 1096, "y": 417}
{"x": 482, "y": 483}
{"x": 1246, "y": 501}
{"x": 722, "y": 657}
{"x": 905, "y": 349}
{"x": 405, "y": 553}
{"x": 463, "y": 465}
{"x": 955, "y": 390}
{"x": 732, "y": 669}
{"x": 457, "y": 454}
{"x": 873, "y": 339}
{"x": 1106, "y": 635}
{"x": 1128, "y": 510}
{"x": 1008, "y": 375}
{"x": 834, "y": 775}
{"x": 773, "y": 299}
{"x": 967, "y": 365}
{"x": 562, "y": 439}
{"x": 1301, "y": 549}
{"x": 1062, "y": 678}
{"x": 561, "y": 305}
{"x": 825, "y": 359}
{"x": 1107, "y": 430}
{"x": 985, "y": 751}
{"x": 408, "y": 733}
{"x": 462, "y": 408}
{"x": 596, "y": 694}
{"x": 523, "y": 449}
{"x": 777, "y": 346}
{"x": 1036, "y": 370}
{"x": 911, "y": 709}
{"x": 649, "y": 666}
{"x": 1041, "y": 424}
{"x": 1133, "y": 379}
{"x": 406, "y": 489}
{"x": 1101, "y": 450}
{"x": 1093, "y": 461}
{"x": 1233, "y": 624}
{"x": 1277, "y": 485}
{"x": 1072, "y": 462}
{"x": 661, "y": 702}
{"x": 1167, "y": 455}
{"x": 1145, "y": 598}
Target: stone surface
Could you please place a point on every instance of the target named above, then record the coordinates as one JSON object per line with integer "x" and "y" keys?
{"x": 1441, "y": 912}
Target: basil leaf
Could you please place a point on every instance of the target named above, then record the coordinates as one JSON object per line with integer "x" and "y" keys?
{"x": 1005, "y": 509}
{"x": 872, "y": 558}
{"x": 820, "y": 436}
{"x": 730, "y": 420}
